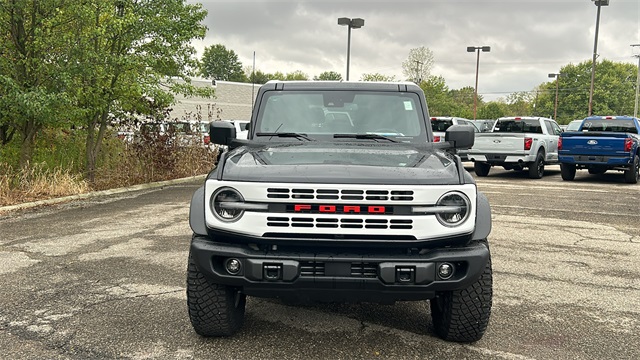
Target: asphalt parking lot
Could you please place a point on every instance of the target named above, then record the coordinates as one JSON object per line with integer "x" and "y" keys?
{"x": 104, "y": 277}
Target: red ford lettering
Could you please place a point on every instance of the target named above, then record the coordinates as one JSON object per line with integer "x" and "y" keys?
{"x": 301, "y": 207}
{"x": 327, "y": 208}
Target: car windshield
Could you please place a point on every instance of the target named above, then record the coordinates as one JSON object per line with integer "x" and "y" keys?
{"x": 626, "y": 126}
{"x": 320, "y": 114}
{"x": 518, "y": 126}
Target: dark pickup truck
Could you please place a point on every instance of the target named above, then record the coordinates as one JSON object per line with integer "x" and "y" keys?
{"x": 340, "y": 194}
{"x": 602, "y": 143}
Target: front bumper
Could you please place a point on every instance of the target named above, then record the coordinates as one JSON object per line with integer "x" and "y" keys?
{"x": 323, "y": 275}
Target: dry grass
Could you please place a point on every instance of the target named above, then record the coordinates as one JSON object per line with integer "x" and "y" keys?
{"x": 38, "y": 183}
{"x": 153, "y": 159}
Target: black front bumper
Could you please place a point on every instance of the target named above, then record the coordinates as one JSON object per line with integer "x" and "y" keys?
{"x": 321, "y": 275}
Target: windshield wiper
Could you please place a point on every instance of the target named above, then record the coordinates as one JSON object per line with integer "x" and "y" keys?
{"x": 286, "y": 134}
{"x": 362, "y": 136}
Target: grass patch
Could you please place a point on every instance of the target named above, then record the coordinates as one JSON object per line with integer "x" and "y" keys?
{"x": 58, "y": 171}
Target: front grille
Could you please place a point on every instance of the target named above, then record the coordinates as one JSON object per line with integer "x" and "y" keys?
{"x": 358, "y": 269}
{"x": 343, "y": 223}
{"x": 336, "y": 194}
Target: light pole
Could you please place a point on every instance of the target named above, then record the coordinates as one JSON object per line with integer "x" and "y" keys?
{"x": 555, "y": 108}
{"x": 356, "y": 23}
{"x": 635, "y": 109}
{"x": 475, "y": 93}
{"x": 599, "y": 4}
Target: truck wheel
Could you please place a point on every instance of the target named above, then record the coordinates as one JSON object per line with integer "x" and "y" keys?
{"x": 568, "y": 171}
{"x": 463, "y": 315}
{"x": 214, "y": 309}
{"x": 536, "y": 168}
{"x": 631, "y": 176}
{"x": 481, "y": 169}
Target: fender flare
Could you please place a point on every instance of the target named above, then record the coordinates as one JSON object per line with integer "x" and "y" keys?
{"x": 196, "y": 212}
{"x": 483, "y": 218}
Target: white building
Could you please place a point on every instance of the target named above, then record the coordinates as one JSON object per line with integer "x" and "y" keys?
{"x": 232, "y": 101}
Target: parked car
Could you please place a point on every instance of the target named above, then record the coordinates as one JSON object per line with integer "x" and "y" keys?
{"x": 574, "y": 125}
{"x": 440, "y": 124}
{"x": 516, "y": 143}
{"x": 483, "y": 125}
{"x": 602, "y": 143}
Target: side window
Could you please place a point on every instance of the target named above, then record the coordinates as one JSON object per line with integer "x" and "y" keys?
{"x": 550, "y": 130}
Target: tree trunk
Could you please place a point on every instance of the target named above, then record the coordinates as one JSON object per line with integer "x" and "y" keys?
{"x": 94, "y": 143}
{"x": 28, "y": 142}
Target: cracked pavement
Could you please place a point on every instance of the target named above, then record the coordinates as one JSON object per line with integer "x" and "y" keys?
{"x": 104, "y": 278}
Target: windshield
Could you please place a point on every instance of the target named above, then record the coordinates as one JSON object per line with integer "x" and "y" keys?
{"x": 518, "y": 126}
{"x": 626, "y": 126}
{"x": 324, "y": 113}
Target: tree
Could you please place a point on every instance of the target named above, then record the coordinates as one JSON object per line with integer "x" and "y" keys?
{"x": 328, "y": 75}
{"x": 221, "y": 64}
{"x": 297, "y": 75}
{"x": 125, "y": 51}
{"x": 377, "y": 77}
{"x": 417, "y": 67}
{"x": 257, "y": 77}
{"x": 31, "y": 70}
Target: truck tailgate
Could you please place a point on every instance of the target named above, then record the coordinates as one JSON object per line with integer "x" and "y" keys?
{"x": 498, "y": 143}
{"x": 602, "y": 144}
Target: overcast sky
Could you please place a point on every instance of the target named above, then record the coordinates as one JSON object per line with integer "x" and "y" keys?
{"x": 528, "y": 39}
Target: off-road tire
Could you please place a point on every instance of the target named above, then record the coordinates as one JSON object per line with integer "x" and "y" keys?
{"x": 463, "y": 315}
{"x": 632, "y": 175}
{"x": 214, "y": 309}
{"x": 536, "y": 168}
{"x": 481, "y": 169}
{"x": 568, "y": 171}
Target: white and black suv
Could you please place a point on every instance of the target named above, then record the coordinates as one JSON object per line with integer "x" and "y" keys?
{"x": 313, "y": 207}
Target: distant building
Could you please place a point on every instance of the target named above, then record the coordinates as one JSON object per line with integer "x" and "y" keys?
{"x": 232, "y": 101}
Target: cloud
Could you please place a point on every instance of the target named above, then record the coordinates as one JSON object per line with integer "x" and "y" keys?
{"x": 528, "y": 39}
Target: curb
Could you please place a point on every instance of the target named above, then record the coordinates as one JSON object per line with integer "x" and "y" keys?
{"x": 29, "y": 205}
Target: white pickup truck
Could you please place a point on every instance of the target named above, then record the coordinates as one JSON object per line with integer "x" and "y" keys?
{"x": 516, "y": 143}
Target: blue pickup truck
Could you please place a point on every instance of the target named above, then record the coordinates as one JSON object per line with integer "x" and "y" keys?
{"x": 602, "y": 143}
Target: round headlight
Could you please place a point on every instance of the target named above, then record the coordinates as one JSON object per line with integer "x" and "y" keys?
{"x": 458, "y": 208}
{"x": 226, "y": 204}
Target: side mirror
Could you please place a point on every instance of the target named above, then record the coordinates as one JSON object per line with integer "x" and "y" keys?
{"x": 247, "y": 126}
{"x": 462, "y": 136}
{"x": 222, "y": 132}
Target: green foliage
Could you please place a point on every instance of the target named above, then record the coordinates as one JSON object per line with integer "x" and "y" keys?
{"x": 221, "y": 64}
{"x": 377, "y": 77}
{"x": 328, "y": 75}
{"x": 297, "y": 75}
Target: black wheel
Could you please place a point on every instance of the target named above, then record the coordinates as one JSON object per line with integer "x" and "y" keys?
{"x": 631, "y": 176}
{"x": 481, "y": 169}
{"x": 214, "y": 309}
{"x": 568, "y": 171}
{"x": 536, "y": 169}
{"x": 463, "y": 315}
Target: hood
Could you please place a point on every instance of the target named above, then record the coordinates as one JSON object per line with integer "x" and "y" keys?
{"x": 341, "y": 163}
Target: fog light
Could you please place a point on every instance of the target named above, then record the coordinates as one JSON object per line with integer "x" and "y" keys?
{"x": 445, "y": 271}
{"x": 234, "y": 266}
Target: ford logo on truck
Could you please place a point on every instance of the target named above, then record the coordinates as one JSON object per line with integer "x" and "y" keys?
{"x": 339, "y": 209}
{"x": 592, "y": 142}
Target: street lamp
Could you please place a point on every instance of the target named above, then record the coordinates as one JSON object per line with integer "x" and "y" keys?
{"x": 356, "y": 23}
{"x": 598, "y": 3}
{"x": 635, "y": 108}
{"x": 555, "y": 108}
{"x": 475, "y": 93}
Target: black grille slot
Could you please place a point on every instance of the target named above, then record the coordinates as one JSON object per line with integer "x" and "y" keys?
{"x": 352, "y": 197}
{"x": 277, "y": 193}
{"x": 327, "y": 197}
{"x": 378, "y": 198}
{"x": 327, "y": 191}
{"x": 364, "y": 270}
{"x": 311, "y": 268}
{"x": 401, "y": 195}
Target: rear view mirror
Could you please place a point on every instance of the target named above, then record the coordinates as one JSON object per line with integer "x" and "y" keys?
{"x": 462, "y": 136}
{"x": 222, "y": 132}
